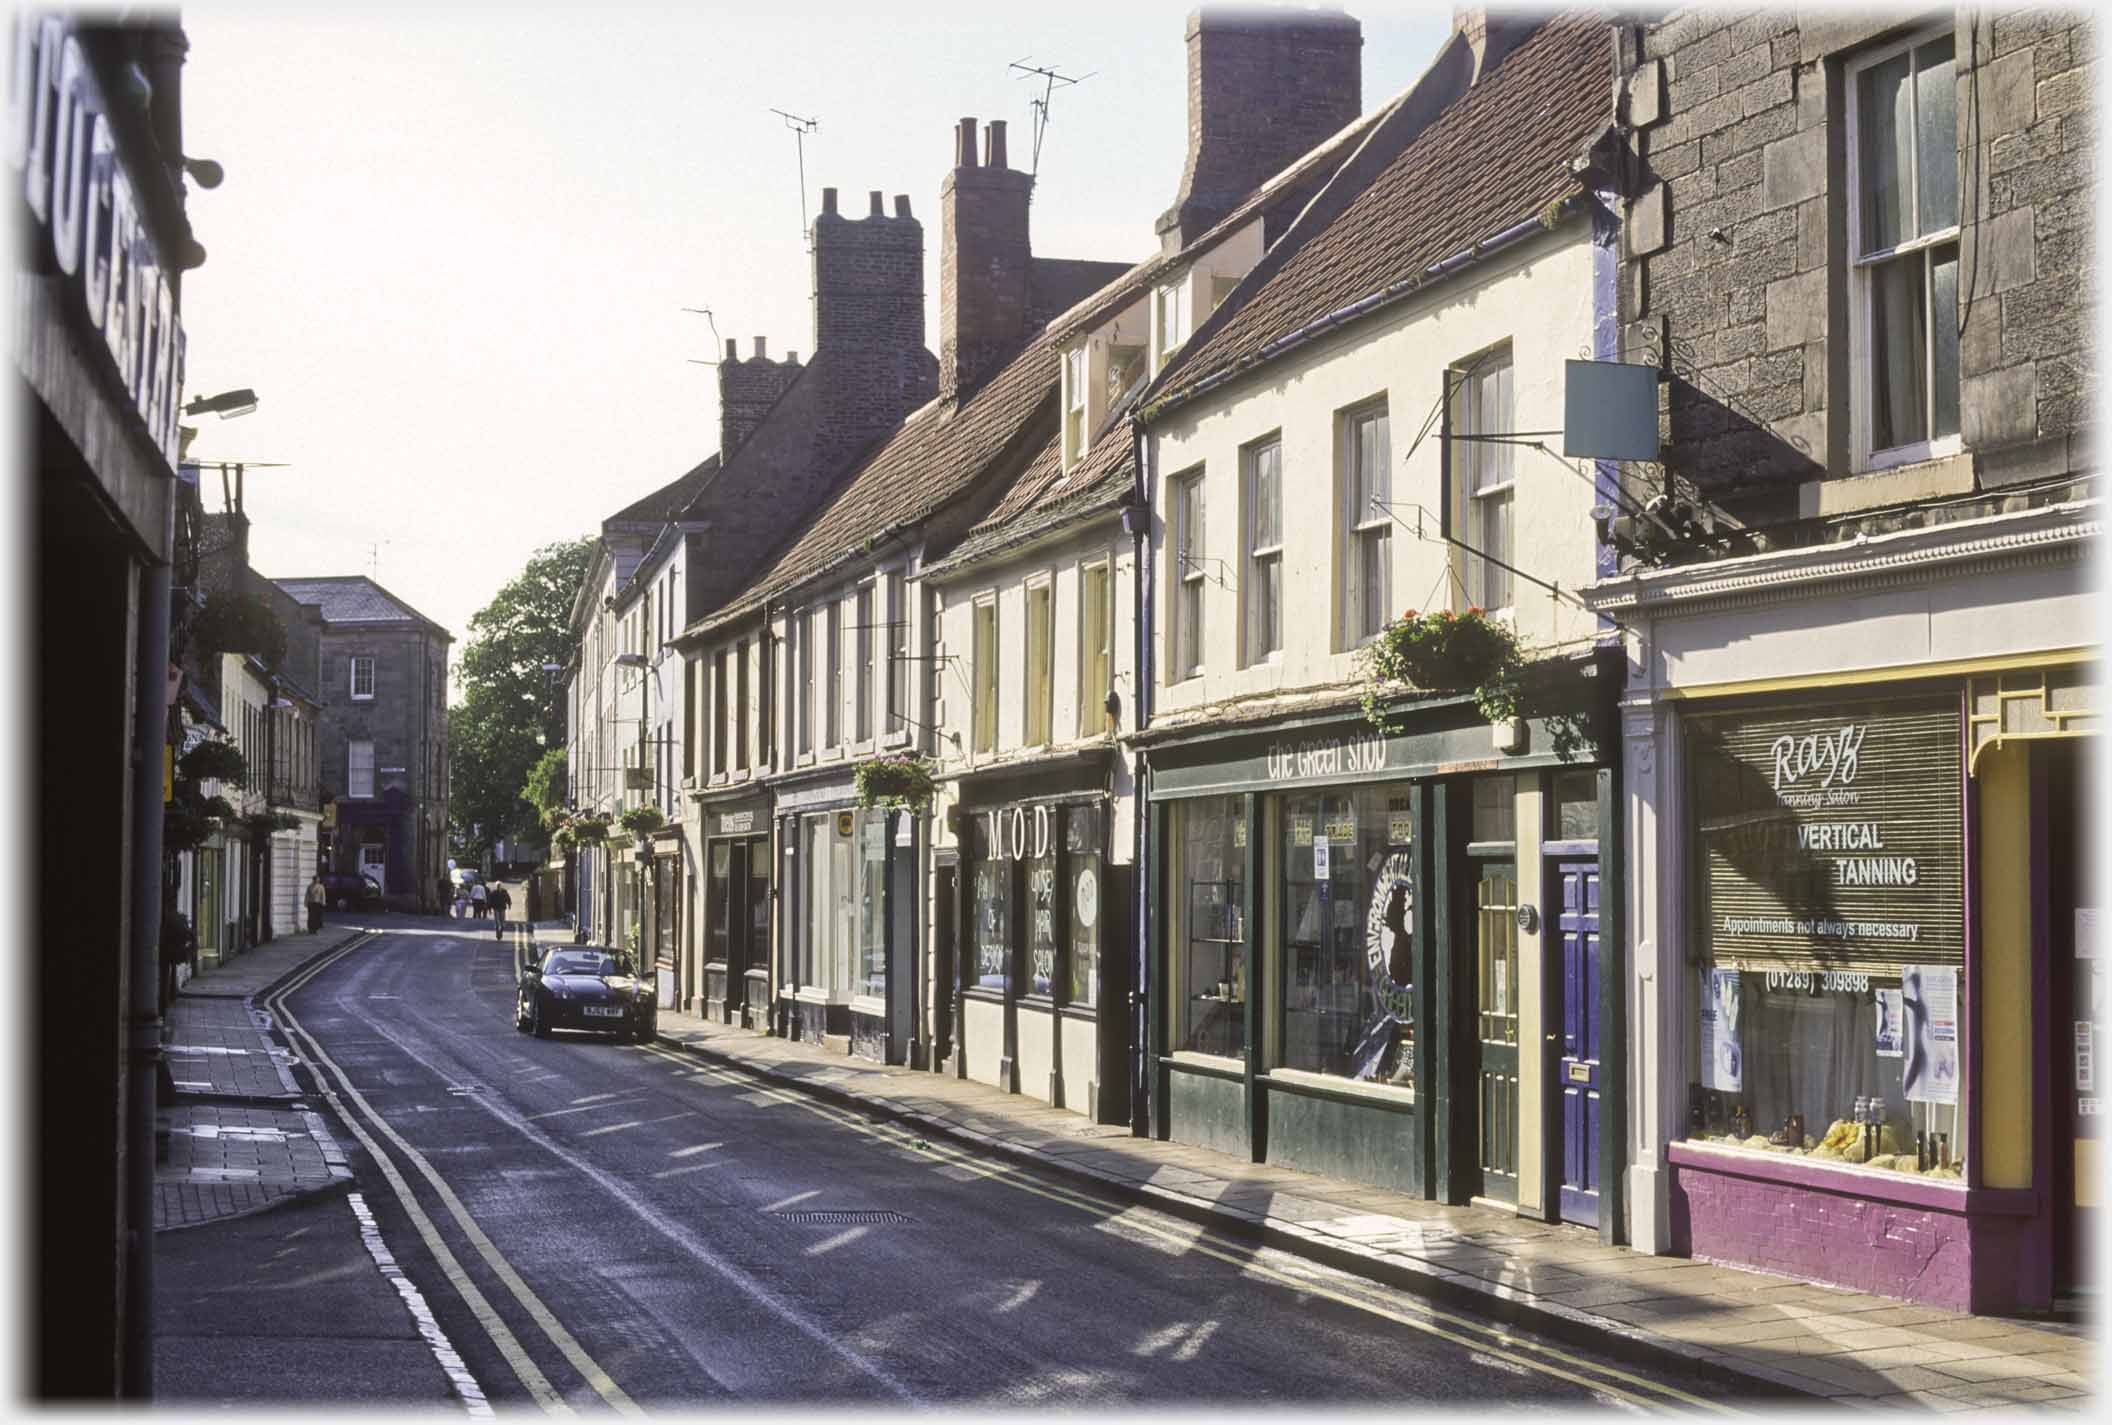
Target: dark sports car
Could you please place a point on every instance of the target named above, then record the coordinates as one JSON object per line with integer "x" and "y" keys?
{"x": 586, "y": 989}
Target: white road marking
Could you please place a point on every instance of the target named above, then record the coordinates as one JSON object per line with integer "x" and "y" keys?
{"x": 635, "y": 1123}
{"x": 450, "y": 1360}
{"x": 694, "y": 1150}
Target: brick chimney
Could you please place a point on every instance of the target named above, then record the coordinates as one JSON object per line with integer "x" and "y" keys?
{"x": 1264, "y": 86}
{"x": 1492, "y": 36}
{"x": 868, "y": 324}
{"x": 747, "y": 391}
{"x": 985, "y": 260}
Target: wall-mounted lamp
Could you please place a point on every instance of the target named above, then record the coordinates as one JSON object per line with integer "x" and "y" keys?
{"x": 226, "y": 405}
{"x": 205, "y": 172}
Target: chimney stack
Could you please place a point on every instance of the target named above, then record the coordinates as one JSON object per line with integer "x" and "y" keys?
{"x": 985, "y": 261}
{"x": 747, "y": 391}
{"x": 1264, "y": 87}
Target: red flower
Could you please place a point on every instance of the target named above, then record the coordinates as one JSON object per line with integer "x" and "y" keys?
{"x": 1474, "y": 608}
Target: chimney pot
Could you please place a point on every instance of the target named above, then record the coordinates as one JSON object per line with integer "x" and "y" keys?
{"x": 879, "y": 205}
{"x": 994, "y": 144}
{"x": 791, "y": 358}
{"x": 902, "y": 205}
{"x": 964, "y": 143}
{"x": 733, "y": 349}
{"x": 828, "y": 201}
{"x": 759, "y": 348}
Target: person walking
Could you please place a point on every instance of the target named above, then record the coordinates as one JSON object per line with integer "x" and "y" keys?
{"x": 443, "y": 893}
{"x": 478, "y": 898}
{"x": 461, "y": 902}
{"x": 317, "y": 896}
{"x": 501, "y": 901}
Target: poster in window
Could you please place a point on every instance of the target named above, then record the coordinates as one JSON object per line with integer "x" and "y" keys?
{"x": 1929, "y": 1001}
{"x": 1722, "y": 1058}
{"x": 1891, "y": 1024}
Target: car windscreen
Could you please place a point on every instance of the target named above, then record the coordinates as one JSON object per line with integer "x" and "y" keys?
{"x": 575, "y": 963}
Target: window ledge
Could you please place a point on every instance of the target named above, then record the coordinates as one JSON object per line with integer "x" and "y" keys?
{"x": 870, "y": 1005}
{"x": 1897, "y": 485}
{"x": 1391, "y": 1095}
{"x": 1851, "y": 1180}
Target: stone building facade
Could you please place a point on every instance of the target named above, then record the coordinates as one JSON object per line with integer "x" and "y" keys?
{"x": 382, "y": 675}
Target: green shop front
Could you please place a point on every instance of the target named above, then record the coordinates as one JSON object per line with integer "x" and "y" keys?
{"x": 1387, "y": 956}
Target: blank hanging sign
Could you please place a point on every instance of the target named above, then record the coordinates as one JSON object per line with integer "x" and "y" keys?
{"x": 1609, "y": 411}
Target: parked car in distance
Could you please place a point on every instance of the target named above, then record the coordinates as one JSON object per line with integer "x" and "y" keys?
{"x": 586, "y": 989}
{"x": 346, "y": 890}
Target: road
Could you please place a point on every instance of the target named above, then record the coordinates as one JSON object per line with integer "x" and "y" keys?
{"x": 600, "y": 1225}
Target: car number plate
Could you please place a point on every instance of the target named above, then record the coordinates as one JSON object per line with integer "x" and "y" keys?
{"x": 604, "y": 1011}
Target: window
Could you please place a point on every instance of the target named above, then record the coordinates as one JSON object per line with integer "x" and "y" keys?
{"x": 862, "y": 708}
{"x": 1082, "y": 841}
{"x": 1263, "y": 574}
{"x": 1903, "y": 250}
{"x": 1167, "y": 324}
{"x": 1096, "y": 636}
{"x": 832, "y": 908}
{"x": 1125, "y": 365}
{"x": 362, "y": 678}
{"x": 898, "y": 658}
{"x": 985, "y": 654}
{"x": 805, "y": 712}
{"x": 992, "y": 889}
{"x": 1187, "y": 575}
{"x": 766, "y": 708}
{"x": 1073, "y": 405}
{"x": 1207, "y": 1006}
{"x": 1483, "y": 476}
{"x": 359, "y": 769}
{"x": 834, "y": 726}
{"x": 1041, "y": 679}
{"x": 740, "y": 705}
{"x": 719, "y": 730}
{"x": 1367, "y": 485}
{"x": 1348, "y": 965}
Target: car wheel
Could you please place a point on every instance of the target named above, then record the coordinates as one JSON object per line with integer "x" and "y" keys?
{"x": 520, "y": 1018}
{"x": 538, "y": 1025}
{"x": 344, "y": 903}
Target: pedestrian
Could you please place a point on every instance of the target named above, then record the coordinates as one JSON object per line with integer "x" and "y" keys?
{"x": 461, "y": 902}
{"x": 316, "y": 898}
{"x": 478, "y": 900}
{"x": 501, "y": 902}
{"x": 443, "y": 893}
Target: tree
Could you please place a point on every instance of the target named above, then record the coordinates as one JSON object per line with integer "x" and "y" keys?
{"x": 545, "y": 788}
{"x": 511, "y": 710}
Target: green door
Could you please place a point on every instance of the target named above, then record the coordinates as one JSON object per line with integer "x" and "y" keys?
{"x": 1496, "y": 1021}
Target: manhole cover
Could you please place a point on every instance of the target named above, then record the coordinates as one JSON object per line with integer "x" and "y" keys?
{"x": 838, "y": 1217}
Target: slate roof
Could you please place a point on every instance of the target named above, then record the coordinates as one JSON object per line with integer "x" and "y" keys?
{"x": 1497, "y": 156}
{"x": 354, "y": 598}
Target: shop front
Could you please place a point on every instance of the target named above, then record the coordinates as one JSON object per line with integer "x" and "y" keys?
{"x": 847, "y": 938}
{"x": 1041, "y": 989}
{"x": 737, "y": 912}
{"x": 1380, "y": 956}
{"x": 659, "y": 870}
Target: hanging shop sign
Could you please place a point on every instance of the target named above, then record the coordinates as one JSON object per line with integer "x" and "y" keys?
{"x": 84, "y": 206}
{"x": 1830, "y": 840}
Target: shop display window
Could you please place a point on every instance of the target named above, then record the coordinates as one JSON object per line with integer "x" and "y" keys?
{"x": 720, "y": 937}
{"x": 1347, "y": 953}
{"x": 1082, "y": 844}
{"x": 832, "y": 906}
{"x": 1210, "y": 957}
{"x": 872, "y": 904}
{"x": 1040, "y": 873}
{"x": 993, "y": 912}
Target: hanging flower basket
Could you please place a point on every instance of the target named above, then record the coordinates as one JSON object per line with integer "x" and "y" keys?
{"x": 894, "y": 782}
{"x": 564, "y": 838}
{"x": 187, "y": 823}
{"x": 262, "y": 824}
{"x": 1443, "y": 652}
{"x": 214, "y": 761}
{"x": 591, "y": 830}
{"x": 641, "y": 820}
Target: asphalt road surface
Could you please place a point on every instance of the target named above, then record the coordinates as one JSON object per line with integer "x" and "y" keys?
{"x": 603, "y": 1225}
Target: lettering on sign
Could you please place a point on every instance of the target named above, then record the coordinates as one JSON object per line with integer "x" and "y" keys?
{"x": 1389, "y": 939}
{"x": 736, "y": 823}
{"x": 1016, "y": 833}
{"x": 1325, "y": 757}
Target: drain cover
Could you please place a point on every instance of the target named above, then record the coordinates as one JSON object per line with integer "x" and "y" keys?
{"x": 839, "y": 1217}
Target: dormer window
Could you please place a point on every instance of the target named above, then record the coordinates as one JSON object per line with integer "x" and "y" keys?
{"x": 1169, "y": 325}
{"x": 1074, "y": 425}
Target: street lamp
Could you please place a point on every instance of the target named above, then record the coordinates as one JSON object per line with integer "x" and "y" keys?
{"x": 226, "y": 405}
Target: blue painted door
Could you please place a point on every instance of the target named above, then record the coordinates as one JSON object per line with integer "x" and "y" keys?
{"x": 1577, "y": 1067}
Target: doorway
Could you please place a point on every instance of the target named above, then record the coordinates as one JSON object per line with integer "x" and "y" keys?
{"x": 1576, "y": 1070}
{"x": 945, "y": 981}
{"x": 1496, "y": 1026}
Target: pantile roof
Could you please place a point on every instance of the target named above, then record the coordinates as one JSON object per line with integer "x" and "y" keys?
{"x": 1496, "y": 157}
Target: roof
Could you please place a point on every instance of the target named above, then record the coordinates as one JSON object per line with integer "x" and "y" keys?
{"x": 669, "y": 500}
{"x": 354, "y": 598}
{"x": 1043, "y": 497}
{"x": 1498, "y": 156}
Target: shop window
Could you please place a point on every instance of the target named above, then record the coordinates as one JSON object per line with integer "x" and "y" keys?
{"x": 1903, "y": 245}
{"x": 872, "y": 904}
{"x": 1096, "y": 639}
{"x": 1040, "y": 680}
{"x": 1576, "y": 806}
{"x": 1042, "y": 934}
{"x": 1365, "y": 462}
{"x": 1209, "y": 959}
{"x": 1082, "y": 845}
{"x": 1262, "y": 574}
{"x": 719, "y": 940}
{"x": 993, "y": 910}
{"x": 986, "y": 682}
{"x": 1483, "y": 476}
{"x": 832, "y": 907}
{"x": 1828, "y": 893}
{"x": 1495, "y": 817}
{"x": 1347, "y": 947}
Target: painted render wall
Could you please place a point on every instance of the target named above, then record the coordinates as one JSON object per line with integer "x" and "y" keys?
{"x": 1538, "y": 297}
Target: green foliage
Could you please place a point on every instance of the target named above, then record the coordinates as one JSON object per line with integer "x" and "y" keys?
{"x": 263, "y": 823}
{"x": 213, "y": 760}
{"x": 903, "y": 781}
{"x": 239, "y": 623}
{"x": 1442, "y": 652}
{"x": 190, "y": 819}
{"x": 641, "y": 820}
{"x": 545, "y": 788}
{"x": 512, "y": 717}
{"x": 589, "y": 828}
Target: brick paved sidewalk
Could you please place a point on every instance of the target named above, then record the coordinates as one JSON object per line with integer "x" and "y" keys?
{"x": 238, "y": 1138}
{"x": 1815, "y": 1340}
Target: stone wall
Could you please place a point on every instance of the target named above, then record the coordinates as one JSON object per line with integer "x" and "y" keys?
{"x": 1735, "y": 272}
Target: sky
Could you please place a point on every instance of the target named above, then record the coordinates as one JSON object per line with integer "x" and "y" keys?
{"x": 454, "y": 243}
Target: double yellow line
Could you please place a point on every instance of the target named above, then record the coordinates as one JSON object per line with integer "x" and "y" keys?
{"x": 501, "y": 1335}
{"x": 1490, "y": 1340}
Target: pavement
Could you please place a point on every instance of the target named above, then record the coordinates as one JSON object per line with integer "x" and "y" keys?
{"x": 239, "y": 1138}
{"x": 1804, "y": 1339}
